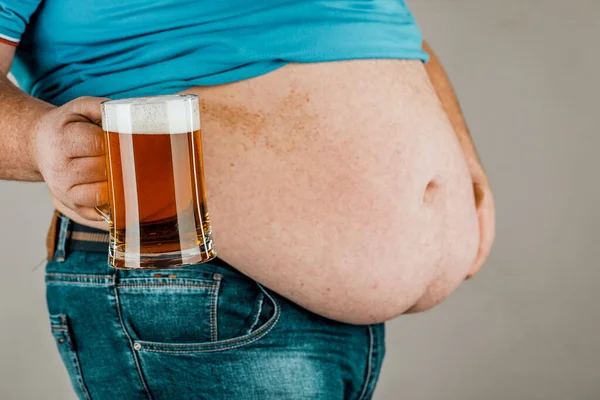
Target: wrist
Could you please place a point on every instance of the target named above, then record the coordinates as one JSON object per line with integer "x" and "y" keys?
{"x": 33, "y": 132}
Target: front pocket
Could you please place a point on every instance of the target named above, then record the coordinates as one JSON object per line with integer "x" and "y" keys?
{"x": 65, "y": 342}
{"x": 166, "y": 308}
{"x": 261, "y": 323}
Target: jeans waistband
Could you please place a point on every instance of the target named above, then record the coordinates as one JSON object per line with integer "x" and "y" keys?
{"x": 66, "y": 236}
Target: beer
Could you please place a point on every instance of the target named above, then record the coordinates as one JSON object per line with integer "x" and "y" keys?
{"x": 158, "y": 213}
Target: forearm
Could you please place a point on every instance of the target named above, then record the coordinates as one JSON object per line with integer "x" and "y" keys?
{"x": 447, "y": 97}
{"x": 19, "y": 113}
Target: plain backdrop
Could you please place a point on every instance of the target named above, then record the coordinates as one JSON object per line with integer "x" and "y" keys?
{"x": 527, "y": 327}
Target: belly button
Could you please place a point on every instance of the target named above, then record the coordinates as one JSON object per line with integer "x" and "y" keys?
{"x": 431, "y": 191}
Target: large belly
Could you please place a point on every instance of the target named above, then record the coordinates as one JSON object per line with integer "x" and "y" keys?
{"x": 319, "y": 173}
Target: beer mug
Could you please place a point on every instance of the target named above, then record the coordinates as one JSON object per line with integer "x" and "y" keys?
{"x": 157, "y": 202}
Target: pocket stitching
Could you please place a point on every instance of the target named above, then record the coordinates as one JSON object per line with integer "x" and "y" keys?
{"x": 74, "y": 283}
{"x": 214, "y": 333}
{"x": 224, "y": 345}
{"x": 163, "y": 284}
{"x": 259, "y": 311}
{"x": 77, "y": 276}
{"x": 247, "y": 341}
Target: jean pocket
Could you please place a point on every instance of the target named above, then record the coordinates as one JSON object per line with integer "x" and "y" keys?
{"x": 217, "y": 315}
{"x": 168, "y": 308}
{"x": 59, "y": 325}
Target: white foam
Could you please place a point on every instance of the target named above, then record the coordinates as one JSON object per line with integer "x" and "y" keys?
{"x": 173, "y": 114}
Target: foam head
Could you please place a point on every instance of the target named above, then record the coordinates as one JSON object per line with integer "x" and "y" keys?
{"x": 152, "y": 115}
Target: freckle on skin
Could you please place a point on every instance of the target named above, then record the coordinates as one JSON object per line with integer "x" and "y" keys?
{"x": 264, "y": 128}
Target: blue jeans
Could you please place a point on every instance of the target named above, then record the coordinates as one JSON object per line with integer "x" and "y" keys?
{"x": 201, "y": 332}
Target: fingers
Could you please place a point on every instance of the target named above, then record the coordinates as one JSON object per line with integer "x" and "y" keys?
{"x": 88, "y": 213}
{"x": 71, "y": 150}
{"x": 88, "y": 107}
{"x": 82, "y": 183}
{"x": 83, "y": 139}
{"x": 88, "y": 194}
{"x": 87, "y": 170}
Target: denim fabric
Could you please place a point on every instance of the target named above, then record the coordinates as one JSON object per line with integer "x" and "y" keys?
{"x": 202, "y": 332}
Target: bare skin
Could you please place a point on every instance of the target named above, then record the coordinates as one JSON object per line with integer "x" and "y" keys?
{"x": 484, "y": 197}
{"x": 351, "y": 198}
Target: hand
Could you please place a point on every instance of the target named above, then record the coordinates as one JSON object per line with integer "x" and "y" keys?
{"x": 68, "y": 146}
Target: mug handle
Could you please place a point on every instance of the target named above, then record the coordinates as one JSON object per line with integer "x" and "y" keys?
{"x": 104, "y": 212}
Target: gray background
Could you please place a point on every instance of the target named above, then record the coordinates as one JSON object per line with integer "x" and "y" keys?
{"x": 528, "y": 326}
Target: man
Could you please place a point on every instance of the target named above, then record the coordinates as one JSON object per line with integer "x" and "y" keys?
{"x": 334, "y": 176}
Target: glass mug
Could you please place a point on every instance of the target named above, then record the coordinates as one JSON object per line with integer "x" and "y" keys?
{"x": 157, "y": 200}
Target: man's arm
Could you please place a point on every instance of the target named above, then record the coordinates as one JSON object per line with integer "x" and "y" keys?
{"x": 484, "y": 199}
{"x": 18, "y": 114}
{"x": 63, "y": 146}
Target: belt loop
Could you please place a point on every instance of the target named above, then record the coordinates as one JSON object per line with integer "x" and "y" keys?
{"x": 63, "y": 235}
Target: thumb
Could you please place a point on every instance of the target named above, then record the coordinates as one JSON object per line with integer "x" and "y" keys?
{"x": 87, "y": 107}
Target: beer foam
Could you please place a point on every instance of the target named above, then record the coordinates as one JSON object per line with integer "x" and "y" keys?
{"x": 173, "y": 114}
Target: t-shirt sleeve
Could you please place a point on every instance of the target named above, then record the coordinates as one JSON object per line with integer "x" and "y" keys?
{"x": 14, "y": 17}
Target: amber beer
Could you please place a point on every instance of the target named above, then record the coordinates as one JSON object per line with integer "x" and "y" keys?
{"x": 158, "y": 215}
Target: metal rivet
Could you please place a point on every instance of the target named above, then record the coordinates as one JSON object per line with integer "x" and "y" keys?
{"x": 61, "y": 340}
{"x": 217, "y": 277}
{"x": 137, "y": 346}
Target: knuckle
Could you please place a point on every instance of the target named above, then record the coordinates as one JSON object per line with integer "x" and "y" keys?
{"x": 80, "y": 101}
{"x": 62, "y": 122}
{"x": 71, "y": 106}
{"x": 65, "y": 166}
{"x": 67, "y": 201}
{"x": 77, "y": 104}
{"x": 67, "y": 191}
{"x": 66, "y": 126}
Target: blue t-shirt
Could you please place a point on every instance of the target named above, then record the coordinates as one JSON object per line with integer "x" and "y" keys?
{"x": 124, "y": 48}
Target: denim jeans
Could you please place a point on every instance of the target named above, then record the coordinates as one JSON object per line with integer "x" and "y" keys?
{"x": 200, "y": 332}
